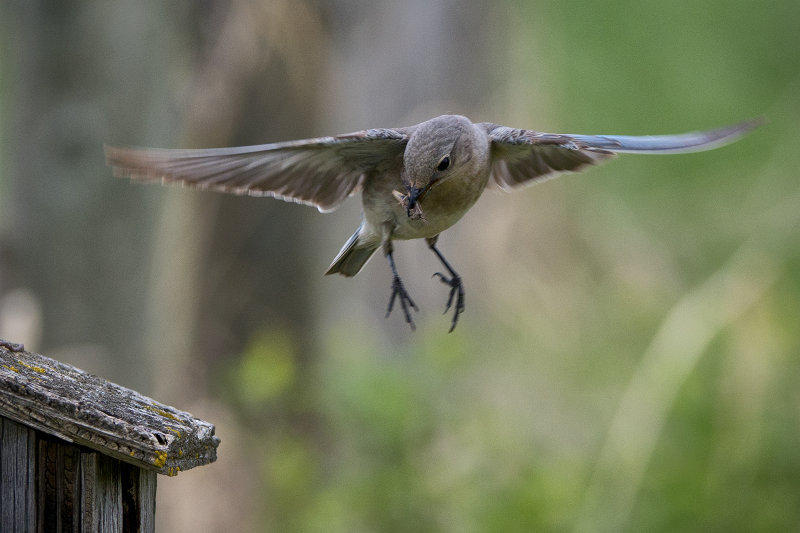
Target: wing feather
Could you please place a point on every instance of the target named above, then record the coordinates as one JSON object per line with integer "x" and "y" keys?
{"x": 321, "y": 171}
{"x": 524, "y": 157}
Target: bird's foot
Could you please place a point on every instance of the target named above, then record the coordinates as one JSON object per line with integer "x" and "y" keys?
{"x": 456, "y": 293}
{"x": 406, "y": 303}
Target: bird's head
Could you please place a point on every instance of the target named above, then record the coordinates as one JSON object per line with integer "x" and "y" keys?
{"x": 432, "y": 155}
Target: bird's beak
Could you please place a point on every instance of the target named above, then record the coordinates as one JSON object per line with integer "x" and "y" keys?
{"x": 412, "y": 197}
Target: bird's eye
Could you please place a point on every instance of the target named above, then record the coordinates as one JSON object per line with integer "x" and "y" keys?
{"x": 443, "y": 163}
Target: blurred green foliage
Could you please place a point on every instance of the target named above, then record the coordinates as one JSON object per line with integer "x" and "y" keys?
{"x": 266, "y": 369}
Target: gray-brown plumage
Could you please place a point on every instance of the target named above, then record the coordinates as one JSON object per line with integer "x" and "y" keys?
{"x": 415, "y": 182}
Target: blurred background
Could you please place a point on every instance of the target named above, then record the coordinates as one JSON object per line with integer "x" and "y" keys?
{"x": 630, "y": 354}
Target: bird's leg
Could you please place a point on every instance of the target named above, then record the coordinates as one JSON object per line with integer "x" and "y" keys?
{"x": 398, "y": 291}
{"x": 454, "y": 281}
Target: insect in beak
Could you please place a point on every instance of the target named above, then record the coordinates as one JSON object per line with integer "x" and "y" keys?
{"x": 409, "y": 201}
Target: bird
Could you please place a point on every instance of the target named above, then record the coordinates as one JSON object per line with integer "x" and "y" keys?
{"x": 415, "y": 182}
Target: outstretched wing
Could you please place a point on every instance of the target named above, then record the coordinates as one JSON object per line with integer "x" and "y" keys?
{"x": 321, "y": 172}
{"x": 525, "y": 157}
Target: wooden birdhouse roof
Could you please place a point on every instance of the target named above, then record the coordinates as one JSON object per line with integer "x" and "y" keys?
{"x": 68, "y": 403}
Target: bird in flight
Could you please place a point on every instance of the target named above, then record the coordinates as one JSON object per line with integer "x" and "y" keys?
{"x": 415, "y": 182}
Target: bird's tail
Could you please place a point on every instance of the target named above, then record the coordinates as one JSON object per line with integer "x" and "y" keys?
{"x": 352, "y": 257}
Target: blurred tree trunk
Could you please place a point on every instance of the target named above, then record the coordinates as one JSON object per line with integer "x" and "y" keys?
{"x": 72, "y": 243}
{"x": 226, "y": 268}
{"x": 229, "y": 271}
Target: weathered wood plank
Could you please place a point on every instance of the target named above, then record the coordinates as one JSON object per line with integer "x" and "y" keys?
{"x": 69, "y": 489}
{"x": 65, "y": 402}
{"x": 108, "y": 495}
{"x": 17, "y": 477}
{"x": 58, "y": 485}
{"x": 147, "y": 501}
{"x": 138, "y": 499}
{"x": 101, "y": 505}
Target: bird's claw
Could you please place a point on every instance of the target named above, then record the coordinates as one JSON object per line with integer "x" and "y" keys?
{"x": 457, "y": 293}
{"x": 406, "y": 303}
